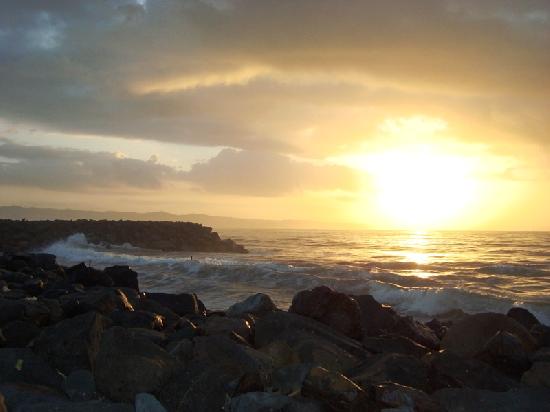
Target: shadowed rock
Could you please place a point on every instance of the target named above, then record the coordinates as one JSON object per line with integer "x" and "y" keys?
{"x": 258, "y": 304}
{"x": 523, "y": 317}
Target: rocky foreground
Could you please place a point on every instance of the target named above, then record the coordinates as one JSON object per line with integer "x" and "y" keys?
{"x": 26, "y": 235}
{"x": 81, "y": 339}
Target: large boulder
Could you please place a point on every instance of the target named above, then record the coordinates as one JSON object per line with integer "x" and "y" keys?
{"x": 520, "y": 399}
{"x": 221, "y": 325}
{"x": 337, "y": 310}
{"x": 102, "y": 300}
{"x": 469, "y": 336}
{"x": 138, "y": 319}
{"x": 506, "y": 352}
{"x": 258, "y": 304}
{"x": 73, "y": 343}
{"x": 377, "y": 319}
{"x": 21, "y": 365}
{"x": 123, "y": 276}
{"x": 538, "y": 375}
{"x": 523, "y": 317}
{"x": 450, "y": 370}
{"x": 394, "y": 344}
{"x": 126, "y": 366}
{"x": 88, "y": 276}
{"x": 182, "y": 304}
{"x": 79, "y": 386}
{"x": 19, "y": 333}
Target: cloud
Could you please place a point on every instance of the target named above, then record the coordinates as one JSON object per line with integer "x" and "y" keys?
{"x": 230, "y": 172}
{"x": 267, "y": 174}
{"x": 254, "y": 74}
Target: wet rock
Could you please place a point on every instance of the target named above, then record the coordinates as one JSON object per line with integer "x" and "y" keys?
{"x": 469, "y": 336}
{"x": 19, "y": 333}
{"x": 450, "y": 370}
{"x": 221, "y": 325}
{"x": 439, "y": 328}
{"x": 392, "y": 367}
{"x": 102, "y": 300}
{"x": 541, "y": 333}
{"x": 520, "y": 399}
{"x": 72, "y": 344}
{"x": 21, "y": 365}
{"x": 88, "y": 276}
{"x": 334, "y": 390}
{"x": 398, "y": 396}
{"x": 270, "y": 402}
{"x": 377, "y": 319}
{"x": 80, "y": 386}
{"x": 126, "y": 366}
{"x": 34, "y": 287}
{"x": 394, "y": 344}
{"x": 523, "y": 317}
{"x": 172, "y": 320}
{"x": 332, "y": 308}
{"x": 505, "y": 352}
{"x": 145, "y": 402}
{"x": 138, "y": 319}
{"x": 181, "y": 304}
{"x": 538, "y": 375}
{"x": 258, "y": 304}
{"x": 123, "y": 276}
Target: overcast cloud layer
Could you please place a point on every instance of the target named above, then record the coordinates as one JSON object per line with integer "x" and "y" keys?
{"x": 305, "y": 77}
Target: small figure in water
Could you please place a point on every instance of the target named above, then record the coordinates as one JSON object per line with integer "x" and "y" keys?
{"x": 191, "y": 257}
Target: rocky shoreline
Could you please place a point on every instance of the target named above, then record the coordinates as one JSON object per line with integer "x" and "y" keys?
{"x": 28, "y": 235}
{"x": 81, "y": 339}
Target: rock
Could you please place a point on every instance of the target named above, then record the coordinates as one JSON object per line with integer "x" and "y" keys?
{"x": 438, "y": 328}
{"x": 19, "y": 333}
{"x": 282, "y": 354}
{"x": 123, "y": 276}
{"x": 523, "y": 317}
{"x": 542, "y": 355}
{"x": 258, "y": 304}
{"x": 102, "y": 300}
{"x": 334, "y": 309}
{"x": 21, "y": 365}
{"x": 520, "y": 399}
{"x": 377, "y": 319}
{"x": 181, "y": 304}
{"x": 21, "y": 397}
{"x": 399, "y": 396}
{"x": 293, "y": 329}
{"x": 33, "y": 287}
{"x": 394, "y": 344}
{"x": 505, "y": 352}
{"x": 392, "y": 367}
{"x": 334, "y": 390}
{"x": 88, "y": 276}
{"x": 138, "y": 319}
{"x": 541, "y": 333}
{"x": 450, "y": 370}
{"x": 145, "y": 402}
{"x": 270, "y": 402}
{"x": 11, "y": 310}
{"x": 72, "y": 344}
{"x": 3, "y": 407}
{"x": 158, "y": 338}
{"x": 185, "y": 329}
{"x": 126, "y": 366}
{"x": 290, "y": 379}
{"x": 469, "y": 336}
{"x": 172, "y": 320}
{"x": 182, "y": 351}
{"x": 538, "y": 375}
{"x": 221, "y": 325}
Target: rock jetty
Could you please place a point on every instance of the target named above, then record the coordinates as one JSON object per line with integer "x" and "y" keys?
{"x": 26, "y": 235}
{"x": 81, "y": 339}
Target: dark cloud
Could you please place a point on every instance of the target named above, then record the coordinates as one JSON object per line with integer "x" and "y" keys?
{"x": 231, "y": 172}
{"x": 220, "y": 73}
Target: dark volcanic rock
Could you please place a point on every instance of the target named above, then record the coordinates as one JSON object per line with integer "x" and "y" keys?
{"x": 524, "y": 317}
{"x": 72, "y": 344}
{"x": 182, "y": 304}
{"x": 334, "y": 309}
{"x": 19, "y": 333}
{"x": 80, "y": 386}
{"x": 469, "y": 336}
{"x": 220, "y": 325}
{"x": 126, "y": 366}
{"x": 541, "y": 333}
{"x": 409, "y": 399}
{"x": 506, "y": 352}
{"x": 258, "y": 304}
{"x": 123, "y": 276}
{"x": 377, "y": 319}
{"x": 11, "y": 310}
{"x": 272, "y": 402}
{"x": 138, "y": 319}
{"x": 22, "y": 365}
{"x": 394, "y": 344}
{"x": 538, "y": 375}
{"x": 88, "y": 276}
{"x": 102, "y": 300}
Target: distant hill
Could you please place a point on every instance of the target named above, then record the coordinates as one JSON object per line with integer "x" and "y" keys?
{"x": 217, "y": 222}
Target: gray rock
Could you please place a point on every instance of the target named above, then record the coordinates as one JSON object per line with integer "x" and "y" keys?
{"x": 73, "y": 343}
{"x": 80, "y": 386}
{"x": 145, "y": 402}
{"x": 126, "y": 366}
{"x": 473, "y": 400}
{"x": 24, "y": 366}
{"x": 258, "y": 304}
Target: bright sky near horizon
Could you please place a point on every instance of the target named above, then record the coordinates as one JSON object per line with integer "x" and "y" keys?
{"x": 425, "y": 114}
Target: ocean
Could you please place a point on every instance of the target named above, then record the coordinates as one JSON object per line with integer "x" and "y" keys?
{"x": 422, "y": 274}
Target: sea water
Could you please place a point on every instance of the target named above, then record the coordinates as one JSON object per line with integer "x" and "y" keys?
{"x": 419, "y": 273}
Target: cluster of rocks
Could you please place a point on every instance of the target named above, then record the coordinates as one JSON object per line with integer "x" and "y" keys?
{"x": 26, "y": 235}
{"x": 81, "y": 339}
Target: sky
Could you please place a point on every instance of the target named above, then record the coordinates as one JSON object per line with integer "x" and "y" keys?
{"x": 425, "y": 114}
